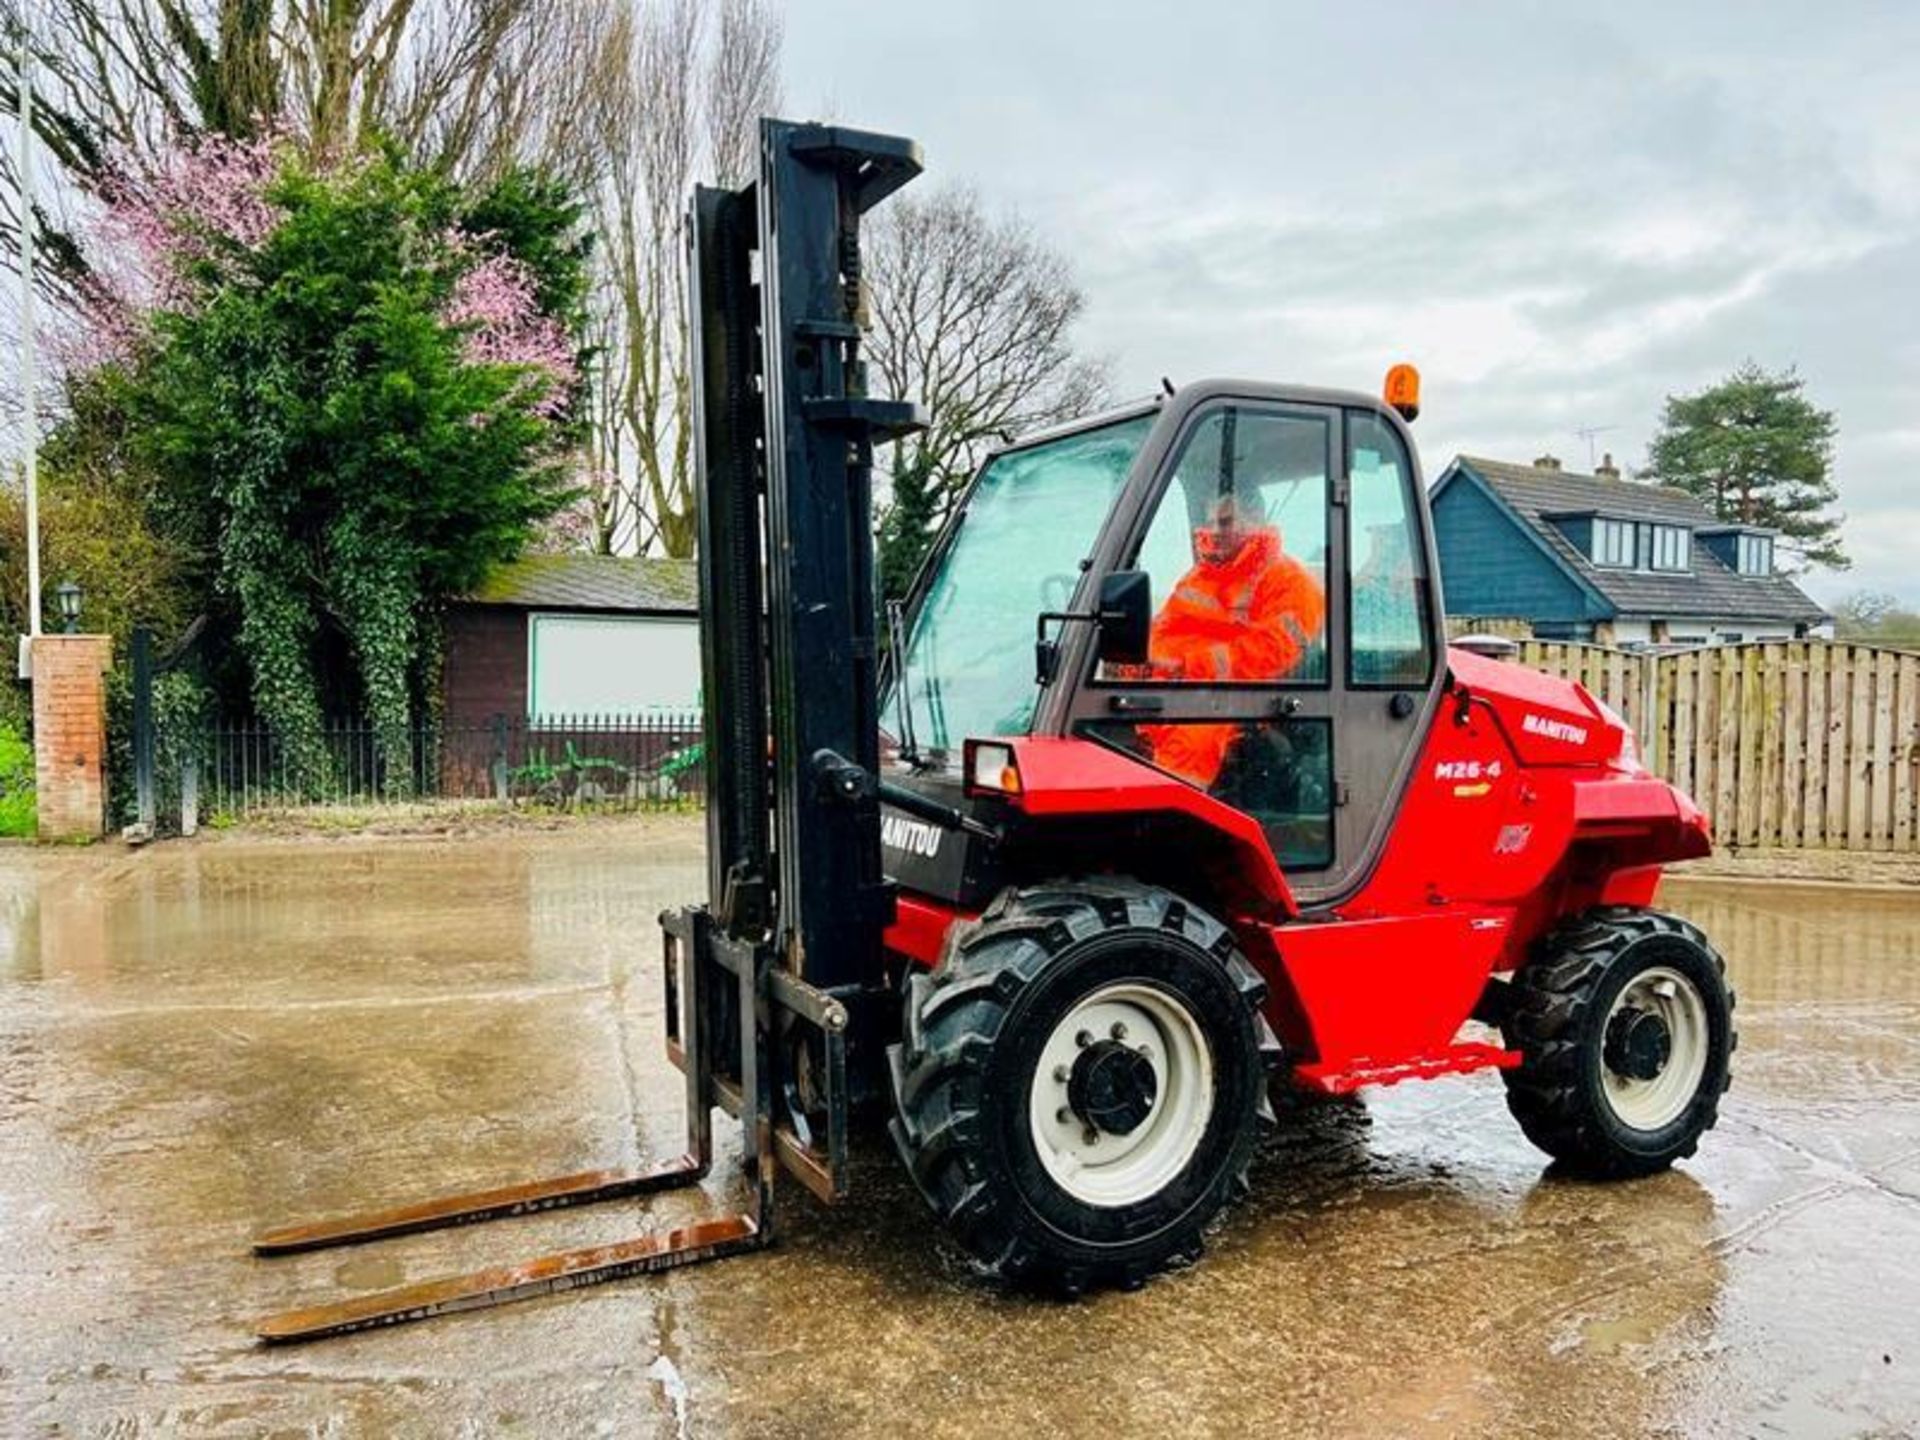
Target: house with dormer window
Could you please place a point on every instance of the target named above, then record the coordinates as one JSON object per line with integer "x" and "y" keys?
{"x": 1599, "y": 557}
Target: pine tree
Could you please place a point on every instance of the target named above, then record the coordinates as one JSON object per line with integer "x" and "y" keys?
{"x": 1756, "y": 451}
{"x": 907, "y": 529}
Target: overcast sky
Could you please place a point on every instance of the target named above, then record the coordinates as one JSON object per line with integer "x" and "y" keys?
{"x": 1560, "y": 217}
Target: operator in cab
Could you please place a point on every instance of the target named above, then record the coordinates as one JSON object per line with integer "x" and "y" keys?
{"x": 1245, "y": 613}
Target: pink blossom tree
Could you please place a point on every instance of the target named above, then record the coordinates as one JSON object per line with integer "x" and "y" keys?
{"x": 496, "y": 302}
{"x": 168, "y": 233}
{"x": 163, "y": 234}
{"x": 350, "y": 390}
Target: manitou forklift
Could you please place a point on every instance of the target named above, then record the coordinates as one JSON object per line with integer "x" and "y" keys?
{"x": 1066, "y": 898}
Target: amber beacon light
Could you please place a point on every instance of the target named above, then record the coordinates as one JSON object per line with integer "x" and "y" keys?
{"x": 1402, "y": 391}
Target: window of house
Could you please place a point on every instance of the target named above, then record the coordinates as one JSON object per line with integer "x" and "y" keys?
{"x": 1671, "y": 544}
{"x": 1613, "y": 543}
{"x": 1756, "y": 554}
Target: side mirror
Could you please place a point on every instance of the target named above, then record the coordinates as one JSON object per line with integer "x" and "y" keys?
{"x": 1126, "y": 617}
{"x": 1124, "y": 622}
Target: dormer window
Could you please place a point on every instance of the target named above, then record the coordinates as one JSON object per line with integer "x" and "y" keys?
{"x": 1756, "y": 554}
{"x": 1613, "y": 543}
{"x": 1637, "y": 545}
{"x": 1743, "y": 550}
{"x": 1672, "y": 548}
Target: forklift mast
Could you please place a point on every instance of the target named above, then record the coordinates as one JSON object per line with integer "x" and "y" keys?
{"x": 766, "y": 980}
{"x": 784, "y": 437}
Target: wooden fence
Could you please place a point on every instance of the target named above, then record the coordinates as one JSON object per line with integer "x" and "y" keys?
{"x": 1798, "y": 743}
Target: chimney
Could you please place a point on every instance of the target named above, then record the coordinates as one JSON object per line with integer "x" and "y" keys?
{"x": 1606, "y": 469}
{"x": 1547, "y": 462}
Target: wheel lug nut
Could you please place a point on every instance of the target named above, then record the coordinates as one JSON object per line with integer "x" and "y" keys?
{"x": 1083, "y": 1039}
{"x": 1119, "y": 1031}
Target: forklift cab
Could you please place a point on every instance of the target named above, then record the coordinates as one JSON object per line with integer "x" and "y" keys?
{"x": 1292, "y": 650}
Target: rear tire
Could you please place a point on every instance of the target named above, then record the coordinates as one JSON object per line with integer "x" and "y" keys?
{"x": 1078, "y": 1088}
{"x": 1625, "y": 1021}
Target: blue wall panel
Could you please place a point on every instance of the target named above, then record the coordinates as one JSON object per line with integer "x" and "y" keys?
{"x": 1579, "y": 530}
{"x": 1488, "y": 566}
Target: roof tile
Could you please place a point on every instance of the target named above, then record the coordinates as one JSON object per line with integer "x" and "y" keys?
{"x": 593, "y": 582}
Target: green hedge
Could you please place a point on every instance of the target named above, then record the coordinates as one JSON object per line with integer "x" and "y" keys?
{"x": 16, "y": 782}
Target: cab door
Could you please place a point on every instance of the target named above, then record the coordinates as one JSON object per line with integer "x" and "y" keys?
{"x": 1293, "y": 659}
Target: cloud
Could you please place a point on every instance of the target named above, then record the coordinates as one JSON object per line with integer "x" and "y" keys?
{"x": 1561, "y": 220}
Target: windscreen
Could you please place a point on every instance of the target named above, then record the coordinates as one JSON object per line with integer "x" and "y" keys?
{"x": 1033, "y": 516}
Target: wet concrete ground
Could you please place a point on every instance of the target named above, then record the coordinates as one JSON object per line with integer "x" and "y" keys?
{"x": 199, "y": 1041}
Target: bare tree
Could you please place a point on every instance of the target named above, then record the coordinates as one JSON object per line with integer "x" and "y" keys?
{"x": 466, "y": 85}
{"x": 692, "y": 86}
{"x": 1863, "y": 611}
{"x": 973, "y": 316}
{"x": 476, "y": 85}
{"x": 743, "y": 83}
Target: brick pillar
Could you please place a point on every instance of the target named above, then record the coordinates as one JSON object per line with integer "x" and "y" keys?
{"x": 70, "y": 734}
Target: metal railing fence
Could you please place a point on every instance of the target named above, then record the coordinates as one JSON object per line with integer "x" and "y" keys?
{"x": 237, "y": 768}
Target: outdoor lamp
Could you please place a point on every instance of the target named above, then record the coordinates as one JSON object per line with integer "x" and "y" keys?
{"x": 69, "y": 595}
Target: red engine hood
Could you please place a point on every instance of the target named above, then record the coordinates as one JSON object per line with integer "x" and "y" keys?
{"x": 1547, "y": 720}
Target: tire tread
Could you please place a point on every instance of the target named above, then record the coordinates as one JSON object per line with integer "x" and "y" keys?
{"x": 955, "y": 1016}
{"x": 1547, "y": 1012}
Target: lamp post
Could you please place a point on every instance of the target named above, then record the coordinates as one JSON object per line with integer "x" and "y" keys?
{"x": 24, "y": 162}
{"x": 69, "y": 597}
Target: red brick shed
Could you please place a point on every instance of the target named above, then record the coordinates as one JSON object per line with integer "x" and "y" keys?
{"x": 575, "y": 635}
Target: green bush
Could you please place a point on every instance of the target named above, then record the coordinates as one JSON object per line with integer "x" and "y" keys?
{"x": 350, "y": 411}
{"x": 17, "y": 815}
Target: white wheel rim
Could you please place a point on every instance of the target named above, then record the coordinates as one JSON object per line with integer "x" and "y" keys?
{"x": 1656, "y": 1102}
{"x": 1097, "y": 1167}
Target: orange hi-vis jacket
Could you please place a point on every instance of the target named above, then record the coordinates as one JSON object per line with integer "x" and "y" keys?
{"x": 1247, "y": 619}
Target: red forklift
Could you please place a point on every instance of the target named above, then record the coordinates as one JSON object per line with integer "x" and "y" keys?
{"x": 1164, "y": 792}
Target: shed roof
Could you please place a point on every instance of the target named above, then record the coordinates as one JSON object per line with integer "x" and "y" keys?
{"x": 643, "y": 584}
{"x": 1709, "y": 591}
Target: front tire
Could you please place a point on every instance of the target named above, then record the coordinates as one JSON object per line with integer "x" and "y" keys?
{"x": 1625, "y": 1022}
{"x": 1080, "y": 1080}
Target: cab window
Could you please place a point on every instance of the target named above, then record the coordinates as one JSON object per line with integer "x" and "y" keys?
{"x": 1237, "y": 553}
{"x": 1279, "y": 770}
{"x": 1030, "y": 520}
{"x": 1390, "y": 596}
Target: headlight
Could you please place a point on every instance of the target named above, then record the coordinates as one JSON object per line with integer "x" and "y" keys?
{"x": 991, "y": 769}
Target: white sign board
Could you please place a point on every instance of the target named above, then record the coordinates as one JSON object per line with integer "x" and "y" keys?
{"x": 612, "y": 665}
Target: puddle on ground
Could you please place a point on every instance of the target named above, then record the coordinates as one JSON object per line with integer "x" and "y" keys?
{"x": 200, "y": 1041}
